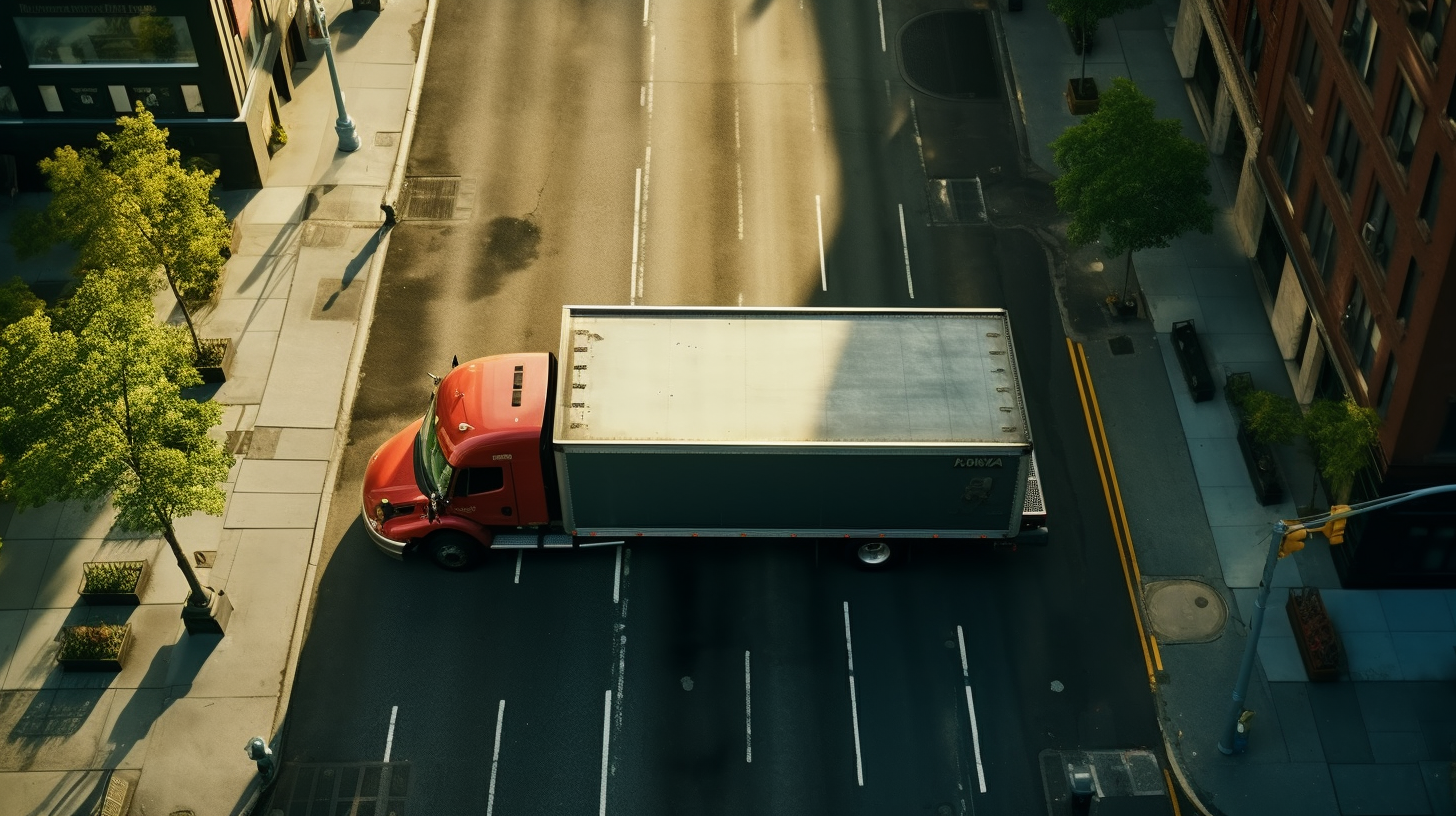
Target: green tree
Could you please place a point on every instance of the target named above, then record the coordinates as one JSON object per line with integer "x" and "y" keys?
{"x": 17, "y": 301}
{"x": 1133, "y": 181}
{"x": 129, "y": 206}
{"x": 90, "y": 407}
{"x": 1081, "y": 18}
{"x": 1341, "y": 433}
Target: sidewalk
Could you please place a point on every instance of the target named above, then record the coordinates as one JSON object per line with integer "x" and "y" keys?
{"x": 172, "y": 725}
{"x": 1378, "y": 741}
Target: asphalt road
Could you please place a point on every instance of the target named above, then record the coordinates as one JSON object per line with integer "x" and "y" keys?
{"x": 698, "y": 159}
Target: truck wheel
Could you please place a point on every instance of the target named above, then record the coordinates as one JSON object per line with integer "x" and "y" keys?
{"x": 454, "y": 550}
{"x": 873, "y": 554}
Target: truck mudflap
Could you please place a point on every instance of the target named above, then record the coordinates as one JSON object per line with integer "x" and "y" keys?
{"x": 531, "y": 541}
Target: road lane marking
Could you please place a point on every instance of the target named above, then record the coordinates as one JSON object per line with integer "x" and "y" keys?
{"x": 636, "y": 239}
{"x": 617, "y": 579}
{"x": 1172, "y": 794}
{"x": 646, "y": 182}
{"x": 919, "y": 148}
{"x": 738, "y": 147}
{"x": 819, "y": 219}
{"x": 642, "y": 97}
{"x": 606, "y": 741}
{"x": 853, "y": 700}
{"x": 519, "y": 553}
{"x": 500, "y": 715}
{"x": 748, "y": 708}
{"x": 389, "y": 739}
{"x": 880, "y": 4}
{"x": 646, "y": 7}
{"x": 971, "y": 707}
{"x": 734, "y": 18}
{"x": 905, "y": 245}
{"x": 813, "y": 117}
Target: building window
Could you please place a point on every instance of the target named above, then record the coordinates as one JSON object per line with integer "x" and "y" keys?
{"x": 1361, "y": 334}
{"x": 1446, "y": 442}
{"x": 1344, "y": 149}
{"x": 7, "y": 101}
{"x": 192, "y": 98}
{"x": 1361, "y": 42}
{"x": 1286, "y": 154}
{"x": 1431, "y": 198}
{"x": 1408, "y": 292}
{"x": 1319, "y": 231}
{"x": 1307, "y": 66}
{"x": 1405, "y": 124}
{"x": 1253, "y": 41}
{"x": 1431, "y": 23}
{"x": 51, "y": 99}
{"x": 1387, "y": 386}
{"x": 137, "y": 40}
{"x": 1379, "y": 231}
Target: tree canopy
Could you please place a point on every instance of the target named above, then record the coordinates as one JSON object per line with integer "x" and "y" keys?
{"x": 1086, "y": 13}
{"x": 1341, "y": 433}
{"x": 1129, "y": 179}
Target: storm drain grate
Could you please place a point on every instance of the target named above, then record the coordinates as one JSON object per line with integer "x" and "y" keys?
{"x": 430, "y": 198}
{"x": 238, "y": 442}
{"x": 956, "y": 201}
{"x": 1122, "y": 344}
{"x": 325, "y": 789}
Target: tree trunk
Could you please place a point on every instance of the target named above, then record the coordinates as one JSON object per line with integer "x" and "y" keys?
{"x": 197, "y": 594}
{"x": 186, "y": 313}
{"x": 1126, "y": 275}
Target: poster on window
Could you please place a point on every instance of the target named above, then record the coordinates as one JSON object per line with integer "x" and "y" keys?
{"x": 159, "y": 99}
{"x": 87, "y": 101}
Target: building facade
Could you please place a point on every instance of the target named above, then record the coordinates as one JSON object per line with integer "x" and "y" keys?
{"x": 214, "y": 72}
{"x": 1340, "y": 116}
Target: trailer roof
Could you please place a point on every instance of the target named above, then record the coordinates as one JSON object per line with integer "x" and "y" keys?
{"x": 789, "y": 376}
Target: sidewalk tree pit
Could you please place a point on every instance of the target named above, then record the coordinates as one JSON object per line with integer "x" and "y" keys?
{"x": 113, "y": 583}
{"x": 94, "y": 648}
{"x": 130, "y": 206}
{"x": 1082, "y": 17}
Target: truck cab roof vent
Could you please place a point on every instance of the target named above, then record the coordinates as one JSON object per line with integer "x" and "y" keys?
{"x": 516, "y": 387}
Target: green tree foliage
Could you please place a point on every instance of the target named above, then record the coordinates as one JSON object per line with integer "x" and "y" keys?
{"x": 1082, "y": 16}
{"x": 1131, "y": 180}
{"x": 1272, "y": 419}
{"x": 90, "y": 407}
{"x": 1341, "y": 433}
{"x": 17, "y": 301}
{"x": 129, "y": 206}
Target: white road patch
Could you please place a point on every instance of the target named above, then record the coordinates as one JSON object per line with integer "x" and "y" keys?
{"x": 606, "y": 742}
{"x": 500, "y": 716}
{"x": 687, "y": 683}
{"x": 971, "y": 707}
{"x": 747, "y": 708}
{"x": 1057, "y": 685}
{"x": 819, "y": 219}
{"x": 853, "y": 700}
{"x": 617, "y": 579}
{"x": 389, "y": 738}
{"x": 905, "y": 245}
{"x": 519, "y": 553}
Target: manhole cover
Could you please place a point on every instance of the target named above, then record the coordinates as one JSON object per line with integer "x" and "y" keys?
{"x": 1183, "y": 611}
{"x": 950, "y": 54}
{"x": 430, "y": 198}
{"x": 956, "y": 201}
{"x": 1120, "y": 345}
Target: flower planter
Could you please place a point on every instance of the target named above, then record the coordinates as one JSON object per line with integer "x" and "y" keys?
{"x": 82, "y": 649}
{"x": 1314, "y": 634}
{"x": 99, "y": 585}
{"x": 216, "y": 370}
{"x": 1263, "y": 469}
{"x": 1190, "y": 358}
{"x": 1082, "y": 96}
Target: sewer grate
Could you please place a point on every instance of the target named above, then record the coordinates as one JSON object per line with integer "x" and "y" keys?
{"x": 1122, "y": 344}
{"x": 238, "y": 442}
{"x": 430, "y": 198}
{"x": 956, "y": 201}
{"x": 324, "y": 789}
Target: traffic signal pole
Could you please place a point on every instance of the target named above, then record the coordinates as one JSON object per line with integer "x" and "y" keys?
{"x": 1286, "y": 538}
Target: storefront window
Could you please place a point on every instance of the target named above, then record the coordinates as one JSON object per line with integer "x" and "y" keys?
{"x": 143, "y": 39}
{"x": 7, "y": 101}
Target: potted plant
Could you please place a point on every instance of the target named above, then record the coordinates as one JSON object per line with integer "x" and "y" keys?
{"x": 97, "y": 647}
{"x": 213, "y": 358}
{"x": 1081, "y": 18}
{"x": 1314, "y": 634}
{"x": 1264, "y": 419}
{"x": 113, "y": 583}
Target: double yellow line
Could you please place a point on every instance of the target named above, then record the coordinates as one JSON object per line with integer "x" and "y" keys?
{"x": 1112, "y": 494}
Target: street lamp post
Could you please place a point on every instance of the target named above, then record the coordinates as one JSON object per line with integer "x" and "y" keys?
{"x": 1280, "y": 530}
{"x": 344, "y": 126}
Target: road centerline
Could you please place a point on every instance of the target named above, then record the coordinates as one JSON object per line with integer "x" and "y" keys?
{"x": 748, "y": 707}
{"x": 853, "y": 699}
{"x": 971, "y": 707}
{"x": 500, "y": 716}
{"x": 905, "y": 245}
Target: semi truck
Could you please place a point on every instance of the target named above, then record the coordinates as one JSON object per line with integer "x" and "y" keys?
{"x": 868, "y": 427}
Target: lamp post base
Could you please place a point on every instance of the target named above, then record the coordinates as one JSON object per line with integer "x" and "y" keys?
{"x": 348, "y": 135}
{"x": 208, "y": 620}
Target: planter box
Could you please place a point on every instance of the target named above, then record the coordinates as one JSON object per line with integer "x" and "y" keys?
{"x": 1314, "y": 634}
{"x": 1192, "y": 361}
{"x": 1263, "y": 469}
{"x": 98, "y": 664}
{"x": 218, "y": 373}
{"x": 1082, "y": 97}
{"x": 132, "y": 598}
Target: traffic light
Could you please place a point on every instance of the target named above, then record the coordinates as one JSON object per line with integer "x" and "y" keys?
{"x": 1293, "y": 540}
{"x": 1334, "y": 529}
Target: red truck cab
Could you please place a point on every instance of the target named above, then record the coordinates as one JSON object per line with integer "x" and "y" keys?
{"x": 478, "y": 461}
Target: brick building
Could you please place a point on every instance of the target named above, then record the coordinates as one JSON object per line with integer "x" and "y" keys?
{"x": 213, "y": 72}
{"x": 1340, "y": 119}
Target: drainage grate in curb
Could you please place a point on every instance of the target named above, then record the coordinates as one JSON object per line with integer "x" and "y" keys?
{"x": 430, "y": 198}
{"x": 324, "y": 789}
{"x": 1122, "y": 344}
{"x": 956, "y": 201}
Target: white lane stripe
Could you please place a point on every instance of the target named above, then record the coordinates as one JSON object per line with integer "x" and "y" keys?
{"x": 738, "y": 146}
{"x": 748, "y": 708}
{"x": 519, "y": 553}
{"x": 853, "y": 700}
{"x": 606, "y": 741}
{"x": 636, "y": 239}
{"x": 617, "y": 580}
{"x": 734, "y": 17}
{"x": 646, "y": 6}
{"x": 389, "y": 739}
{"x": 905, "y": 245}
{"x": 879, "y": 4}
{"x": 500, "y": 716}
{"x": 642, "y": 97}
{"x": 919, "y": 147}
{"x": 971, "y": 707}
{"x": 819, "y": 219}
{"x": 813, "y": 116}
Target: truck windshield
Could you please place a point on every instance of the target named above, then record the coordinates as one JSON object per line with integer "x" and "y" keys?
{"x": 436, "y": 468}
